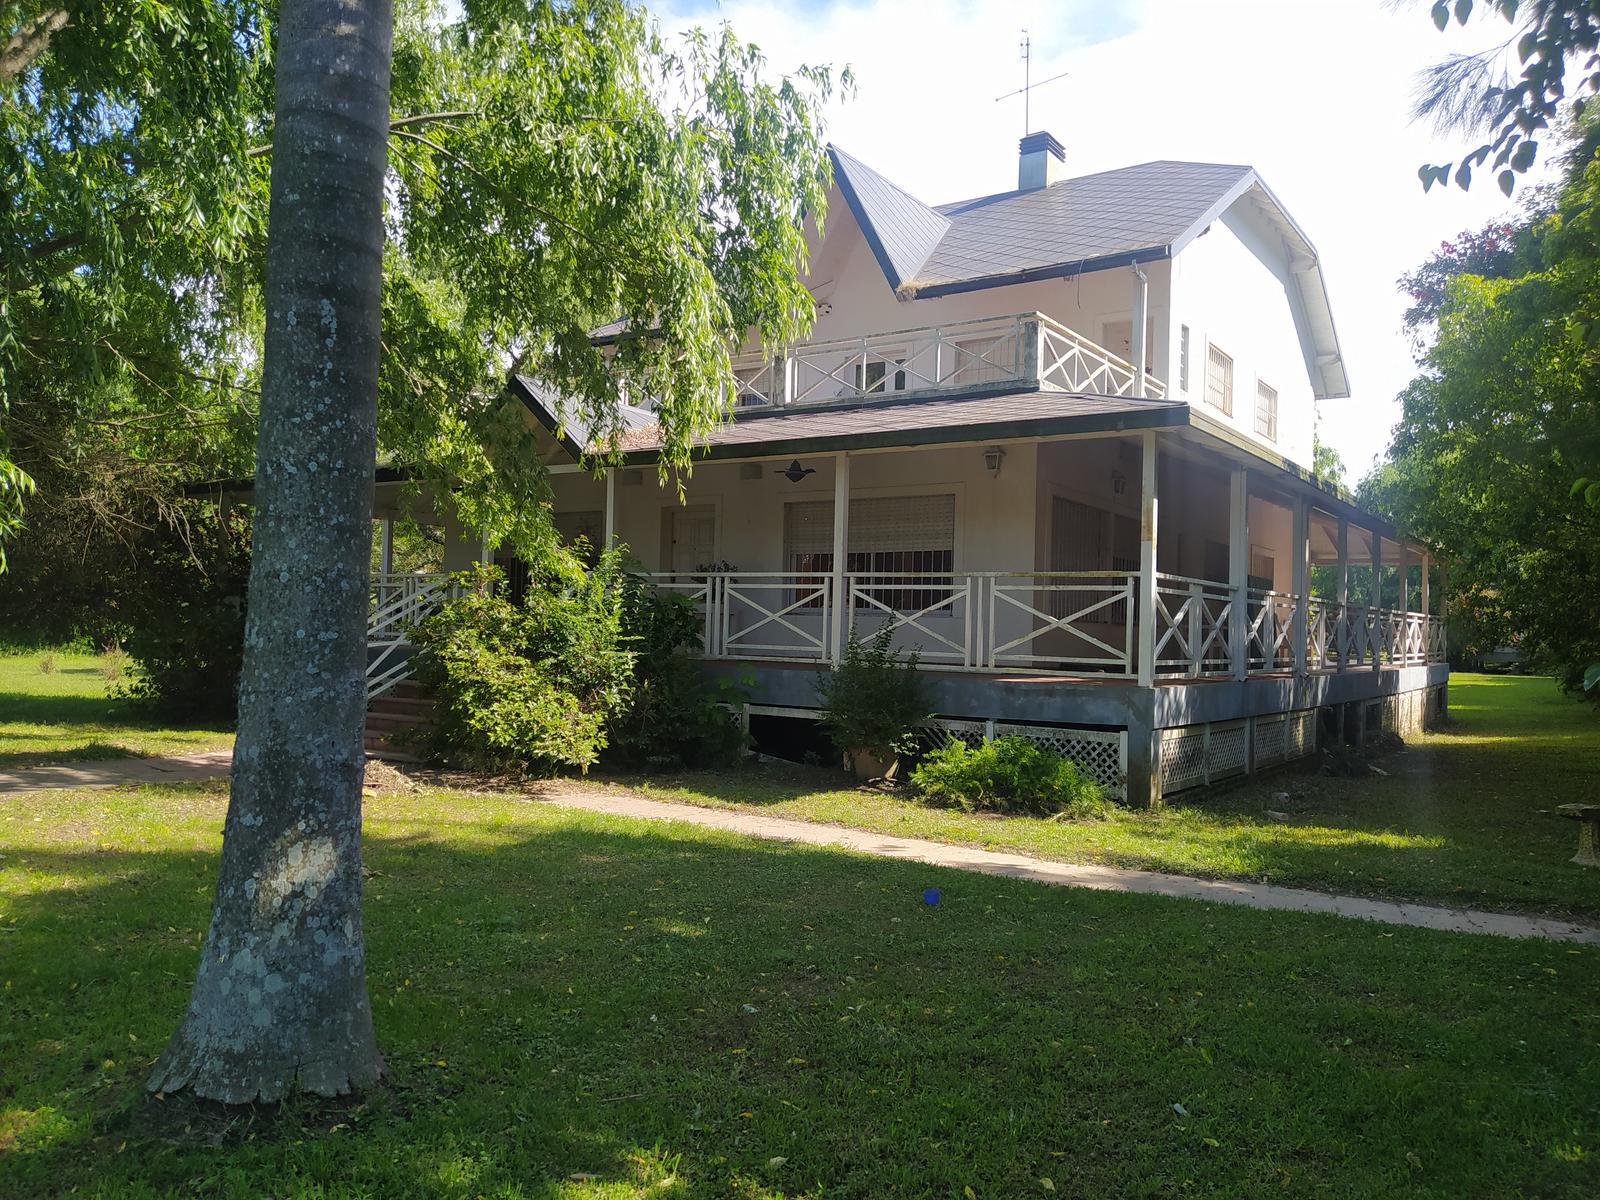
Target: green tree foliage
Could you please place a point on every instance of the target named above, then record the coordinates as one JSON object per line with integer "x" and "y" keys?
{"x": 1503, "y": 418}
{"x": 1479, "y": 94}
{"x": 554, "y": 166}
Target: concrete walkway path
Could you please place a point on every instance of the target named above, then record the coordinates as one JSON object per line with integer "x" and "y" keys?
{"x": 117, "y": 772}
{"x": 120, "y": 772}
{"x": 1111, "y": 879}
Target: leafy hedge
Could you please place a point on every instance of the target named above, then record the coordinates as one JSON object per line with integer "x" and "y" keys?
{"x": 1008, "y": 775}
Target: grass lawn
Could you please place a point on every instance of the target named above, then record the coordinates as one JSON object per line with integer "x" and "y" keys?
{"x": 1466, "y": 817}
{"x": 67, "y": 715}
{"x": 581, "y": 1006}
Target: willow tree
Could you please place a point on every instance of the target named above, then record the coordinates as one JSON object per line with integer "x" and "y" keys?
{"x": 552, "y": 166}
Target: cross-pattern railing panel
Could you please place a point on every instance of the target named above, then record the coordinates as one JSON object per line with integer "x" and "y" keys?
{"x": 1069, "y": 361}
{"x": 1061, "y": 620}
{"x": 398, "y": 603}
{"x": 1270, "y": 631}
{"x": 930, "y": 613}
{"x": 772, "y": 615}
{"x": 1193, "y": 634}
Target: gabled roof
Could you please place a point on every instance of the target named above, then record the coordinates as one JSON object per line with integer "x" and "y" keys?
{"x": 1091, "y": 223}
{"x": 576, "y": 436}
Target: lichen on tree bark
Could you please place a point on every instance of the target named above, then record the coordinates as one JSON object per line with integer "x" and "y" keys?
{"x": 280, "y": 999}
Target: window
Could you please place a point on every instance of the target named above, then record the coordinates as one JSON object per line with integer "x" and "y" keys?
{"x": 1183, "y": 358}
{"x": 888, "y": 534}
{"x": 1219, "y": 380}
{"x": 589, "y": 525}
{"x": 1266, "y": 411}
{"x": 872, "y": 378}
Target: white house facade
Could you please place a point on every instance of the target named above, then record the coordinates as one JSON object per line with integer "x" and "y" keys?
{"x": 1118, "y": 562}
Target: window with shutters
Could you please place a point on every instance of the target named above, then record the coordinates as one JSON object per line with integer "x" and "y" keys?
{"x": 1183, "y": 358}
{"x": 1266, "y": 411}
{"x": 888, "y": 535}
{"x": 1219, "y": 380}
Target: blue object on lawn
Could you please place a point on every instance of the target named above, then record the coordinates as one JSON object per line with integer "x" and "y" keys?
{"x": 930, "y": 895}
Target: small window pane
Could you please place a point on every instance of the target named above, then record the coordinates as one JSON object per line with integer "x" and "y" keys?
{"x": 1219, "y": 380}
{"x": 1266, "y": 411}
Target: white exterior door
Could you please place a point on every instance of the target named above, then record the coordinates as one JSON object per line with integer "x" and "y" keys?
{"x": 692, "y": 538}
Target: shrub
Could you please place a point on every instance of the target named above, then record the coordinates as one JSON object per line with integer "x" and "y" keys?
{"x": 677, "y": 716}
{"x": 532, "y": 683}
{"x": 113, "y": 663}
{"x": 186, "y": 610}
{"x": 47, "y": 663}
{"x": 1007, "y": 775}
{"x": 874, "y": 701}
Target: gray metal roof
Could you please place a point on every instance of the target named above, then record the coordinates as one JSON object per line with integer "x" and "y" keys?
{"x": 1153, "y": 208}
{"x": 1094, "y": 222}
{"x": 808, "y": 429}
{"x": 903, "y": 231}
{"x": 1145, "y": 207}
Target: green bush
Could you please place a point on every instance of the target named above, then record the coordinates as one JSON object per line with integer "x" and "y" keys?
{"x": 185, "y": 609}
{"x": 1008, "y": 775}
{"x": 873, "y": 702}
{"x": 529, "y": 684}
{"x": 677, "y": 716}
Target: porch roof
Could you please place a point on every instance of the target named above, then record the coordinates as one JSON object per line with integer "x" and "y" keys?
{"x": 813, "y": 429}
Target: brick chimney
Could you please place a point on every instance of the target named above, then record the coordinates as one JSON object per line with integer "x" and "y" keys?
{"x": 1043, "y": 161}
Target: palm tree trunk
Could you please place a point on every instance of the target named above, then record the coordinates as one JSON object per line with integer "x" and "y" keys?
{"x": 280, "y": 1000}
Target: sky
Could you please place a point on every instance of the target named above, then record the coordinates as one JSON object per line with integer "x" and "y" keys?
{"x": 1315, "y": 94}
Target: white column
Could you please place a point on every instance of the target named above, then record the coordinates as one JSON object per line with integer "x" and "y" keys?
{"x": 1147, "y": 562}
{"x": 485, "y": 550}
{"x": 1405, "y": 578}
{"x": 611, "y": 507}
{"x": 1342, "y": 625}
{"x": 1301, "y": 586}
{"x": 1427, "y": 585}
{"x": 1141, "y": 308}
{"x": 1239, "y": 570}
{"x": 386, "y": 546}
{"x": 840, "y": 633}
{"x": 1380, "y": 635}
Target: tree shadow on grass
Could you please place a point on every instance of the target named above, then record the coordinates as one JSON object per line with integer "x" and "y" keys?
{"x": 576, "y": 1006}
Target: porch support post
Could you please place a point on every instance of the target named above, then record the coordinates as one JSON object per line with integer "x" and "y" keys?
{"x": 1342, "y": 625}
{"x": 386, "y": 546}
{"x": 839, "y": 634}
{"x": 1239, "y": 570}
{"x": 1380, "y": 635}
{"x": 1427, "y": 585}
{"x": 1405, "y": 578}
{"x": 1141, "y": 307}
{"x": 485, "y": 550}
{"x": 1147, "y": 561}
{"x": 611, "y": 507}
{"x": 1301, "y": 585}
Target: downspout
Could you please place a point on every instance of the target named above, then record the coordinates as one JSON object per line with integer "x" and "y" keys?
{"x": 1141, "y": 304}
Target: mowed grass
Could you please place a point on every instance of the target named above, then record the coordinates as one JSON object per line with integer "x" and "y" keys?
{"x": 1467, "y": 817}
{"x": 69, "y": 715}
{"x": 577, "y": 1006}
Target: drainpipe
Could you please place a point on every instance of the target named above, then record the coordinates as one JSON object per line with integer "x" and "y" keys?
{"x": 1141, "y": 304}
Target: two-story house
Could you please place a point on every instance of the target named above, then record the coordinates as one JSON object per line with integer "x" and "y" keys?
{"x": 1056, "y": 439}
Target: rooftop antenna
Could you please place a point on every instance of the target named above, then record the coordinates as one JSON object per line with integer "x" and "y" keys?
{"x": 1027, "y": 84}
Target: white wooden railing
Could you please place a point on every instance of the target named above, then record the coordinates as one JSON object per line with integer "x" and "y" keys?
{"x": 398, "y": 602}
{"x": 1021, "y": 350}
{"x": 1078, "y": 622}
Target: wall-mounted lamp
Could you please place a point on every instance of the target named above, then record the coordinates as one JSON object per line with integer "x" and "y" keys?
{"x": 992, "y": 458}
{"x": 794, "y": 472}
{"x": 1119, "y": 483}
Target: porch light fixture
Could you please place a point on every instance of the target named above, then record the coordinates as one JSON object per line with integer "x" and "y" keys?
{"x": 794, "y": 472}
{"x": 992, "y": 458}
{"x": 1119, "y": 483}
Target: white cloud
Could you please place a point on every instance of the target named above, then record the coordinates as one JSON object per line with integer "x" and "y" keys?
{"x": 1313, "y": 93}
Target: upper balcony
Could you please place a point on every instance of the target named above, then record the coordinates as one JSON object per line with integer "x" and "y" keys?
{"x": 1020, "y": 352}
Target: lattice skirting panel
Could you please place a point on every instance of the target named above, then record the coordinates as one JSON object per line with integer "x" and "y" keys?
{"x": 1406, "y": 713}
{"x": 1099, "y": 753}
{"x": 1192, "y": 755}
